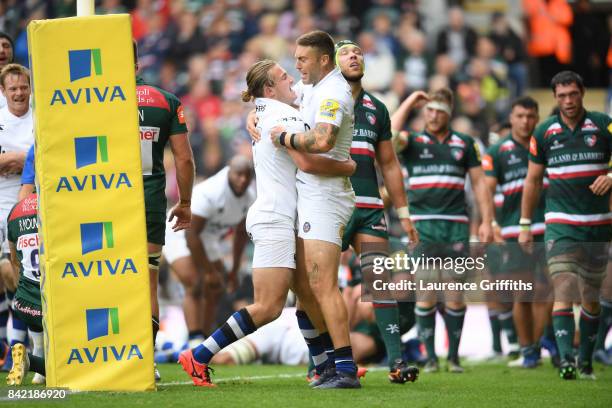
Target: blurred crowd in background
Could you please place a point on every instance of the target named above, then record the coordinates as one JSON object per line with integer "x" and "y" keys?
{"x": 487, "y": 51}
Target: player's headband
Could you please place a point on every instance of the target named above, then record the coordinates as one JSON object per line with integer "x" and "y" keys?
{"x": 341, "y": 44}
{"x": 441, "y": 106}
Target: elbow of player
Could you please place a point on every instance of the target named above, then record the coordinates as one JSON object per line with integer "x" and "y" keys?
{"x": 324, "y": 147}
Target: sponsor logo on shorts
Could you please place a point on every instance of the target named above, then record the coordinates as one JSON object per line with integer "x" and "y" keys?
{"x": 306, "y": 226}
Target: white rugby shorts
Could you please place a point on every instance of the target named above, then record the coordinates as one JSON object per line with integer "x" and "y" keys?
{"x": 323, "y": 214}
{"x": 274, "y": 242}
{"x": 176, "y": 246}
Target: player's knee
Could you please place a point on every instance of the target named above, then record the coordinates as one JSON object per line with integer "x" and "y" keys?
{"x": 266, "y": 311}
{"x": 154, "y": 261}
{"x": 565, "y": 286}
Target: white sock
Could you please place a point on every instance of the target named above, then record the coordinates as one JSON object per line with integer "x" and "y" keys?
{"x": 38, "y": 346}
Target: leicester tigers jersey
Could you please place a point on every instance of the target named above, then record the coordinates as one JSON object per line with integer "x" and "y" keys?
{"x": 507, "y": 162}
{"x": 23, "y": 233}
{"x": 573, "y": 160}
{"x": 437, "y": 173}
{"x": 372, "y": 125}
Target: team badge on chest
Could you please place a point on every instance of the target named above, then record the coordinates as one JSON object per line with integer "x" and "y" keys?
{"x": 457, "y": 154}
{"x": 590, "y": 140}
{"x": 371, "y": 118}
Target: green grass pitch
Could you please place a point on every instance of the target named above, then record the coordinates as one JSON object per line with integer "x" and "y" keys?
{"x": 482, "y": 385}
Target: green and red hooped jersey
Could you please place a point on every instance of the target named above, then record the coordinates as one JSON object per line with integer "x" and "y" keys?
{"x": 573, "y": 160}
{"x": 23, "y": 233}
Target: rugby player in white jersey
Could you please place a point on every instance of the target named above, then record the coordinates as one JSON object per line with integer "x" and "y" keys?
{"x": 270, "y": 221}
{"x": 219, "y": 204}
{"x": 325, "y": 204}
{"x": 16, "y": 137}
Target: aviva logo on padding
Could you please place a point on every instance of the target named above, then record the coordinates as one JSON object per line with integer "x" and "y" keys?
{"x": 90, "y": 150}
{"x": 95, "y": 236}
{"x": 85, "y": 64}
{"x": 101, "y": 323}
{"x": 82, "y": 61}
{"x": 98, "y": 322}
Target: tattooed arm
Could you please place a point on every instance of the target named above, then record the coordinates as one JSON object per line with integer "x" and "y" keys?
{"x": 320, "y": 139}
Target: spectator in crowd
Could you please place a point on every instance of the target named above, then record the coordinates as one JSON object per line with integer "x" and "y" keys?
{"x": 457, "y": 39}
{"x": 511, "y": 50}
{"x": 415, "y": 61}
{"x": 549, "y": 40}
{"x": 379, "y": 61}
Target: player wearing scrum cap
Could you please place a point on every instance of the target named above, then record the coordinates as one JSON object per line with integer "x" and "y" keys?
{"x": 438, "y": 160}
{"x": 367, "y": 226}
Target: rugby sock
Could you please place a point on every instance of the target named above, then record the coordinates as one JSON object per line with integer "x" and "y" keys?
{"x": 506, "y": 322}
{"x": 37, "y": 364}
{"x": 17, "y": 331}
{"x": 426, "y": 323}
{"x": 195, "y": 334}
{"x": 239, "y": 325}
{"x": 604, "y": 324}
{"x": 313, "y": 341}
{"x": 387, "y": 320}
{"x": 328, "y": 346}
{"x": 588, "y": 324}
{"x": 344, "y": 360}
{"x": 38, "y": 347}
{"x": 454, "y": 326}
{"x": 495, "y": 330}
{"x": 406, "y": 316}
{"x": 155, "y": 323}
{"x": 4, "y": 315}
{"x": 564, "y": 326}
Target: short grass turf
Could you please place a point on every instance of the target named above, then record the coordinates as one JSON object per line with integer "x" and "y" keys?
{"x": 485, "y": 385}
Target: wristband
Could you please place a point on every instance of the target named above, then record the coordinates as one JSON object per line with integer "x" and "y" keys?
{"x": 184, "y": 203}
{"x": 403, "y": 213}
{"x": 292, "y": 141}
{"x": 610, "y": 174}
{"x": 282, "y": 138}
{"x": 525, "y": 221}
{"x": 494, "y": 224}
{"x": 525, "y": 227}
